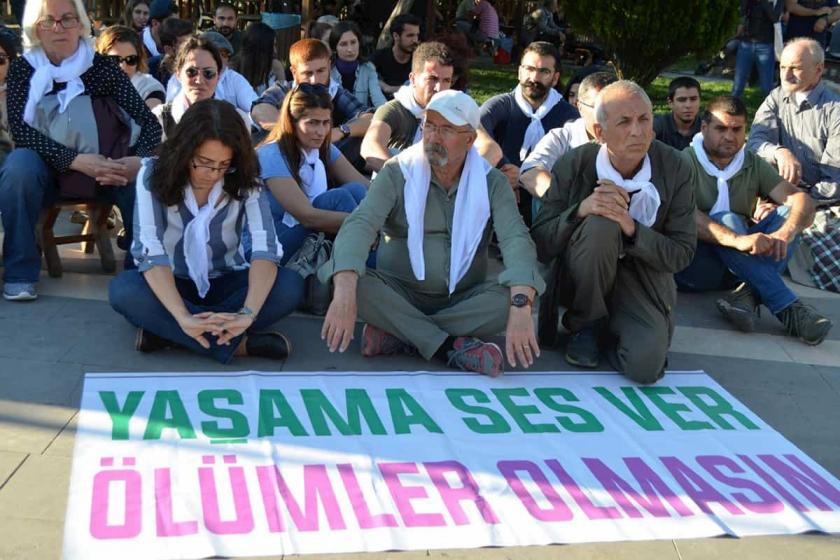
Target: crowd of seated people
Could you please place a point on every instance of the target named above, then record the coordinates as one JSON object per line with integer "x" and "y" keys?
{"x": 221, "y": 168}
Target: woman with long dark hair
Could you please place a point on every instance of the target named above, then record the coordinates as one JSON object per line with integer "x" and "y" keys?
{"x": 350, "y": 68}
{"x": 136, "y": 15}
{"x": 255, "y": 58}
{"x": 193, "y": 286}
{"x": 298, "y": 161}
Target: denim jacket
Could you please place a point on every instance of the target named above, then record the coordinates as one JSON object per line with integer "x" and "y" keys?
{"x": 366, "y": 89}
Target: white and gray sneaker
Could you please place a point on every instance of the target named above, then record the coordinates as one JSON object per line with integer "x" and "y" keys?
{"x": 20, "y": 291}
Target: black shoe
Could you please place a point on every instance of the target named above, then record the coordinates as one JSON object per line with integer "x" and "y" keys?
{"x": 582, "y": 348}
{"x": 146, "y": 341}
{"x": 803, "y": 322}
{"x": 740, "y": 307}
{"x": 272, "y": 345}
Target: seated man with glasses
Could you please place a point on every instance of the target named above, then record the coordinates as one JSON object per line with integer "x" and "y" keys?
{"x": 197, "y": 67}
{"x": 519, "y": 119}
{"x": 62, "y": 102}
{"x": 436, "y": 206}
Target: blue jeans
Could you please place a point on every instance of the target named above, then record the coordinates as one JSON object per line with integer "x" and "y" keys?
{"x": 131, "y": 296}
{"x": 340, "y": 199}
{"x": 713, "y": 265}
{"x": 760, "y": 54}
{"x": 28, "y": 184}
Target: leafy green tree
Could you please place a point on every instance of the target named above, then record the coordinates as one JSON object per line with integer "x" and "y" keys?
{"x": 643, "y": 37}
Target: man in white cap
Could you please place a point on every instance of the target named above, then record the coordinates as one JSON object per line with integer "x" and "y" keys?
{"x": 436, "y": 206}
{"x": 619, "y": 220}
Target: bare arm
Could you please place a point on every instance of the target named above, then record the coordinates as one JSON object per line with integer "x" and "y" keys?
{"x": 487, "y": 147}
{"x": 375, "y": 145}
{"x": 801, "y": 209}
{"x": 358, "y": 127}
{"x": 340, "y": 321}
{"x": 294, "y": 201}
{"x": 536, "y": 181}
{"x": 265, "y": 115}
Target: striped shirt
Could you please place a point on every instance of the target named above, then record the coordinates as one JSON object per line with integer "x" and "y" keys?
{"x": 159, "y": 231}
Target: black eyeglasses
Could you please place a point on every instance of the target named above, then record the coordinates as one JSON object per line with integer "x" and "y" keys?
{"x": 131, "y": 60}
{"x": 4, "y": 58}
{"x": 207, "y": 73}
{"x": 228, "y": 170}
{"x": 67, "y": 22}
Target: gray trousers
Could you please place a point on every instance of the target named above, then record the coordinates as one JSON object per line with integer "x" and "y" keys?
{"x": 600, "y": 286}
{"x": 425, "y": 321}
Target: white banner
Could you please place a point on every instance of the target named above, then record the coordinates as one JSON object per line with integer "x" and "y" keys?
{"x": 197, "y": 465}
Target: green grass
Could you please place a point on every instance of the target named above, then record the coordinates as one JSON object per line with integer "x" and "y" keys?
{"x": 487, "y": 80}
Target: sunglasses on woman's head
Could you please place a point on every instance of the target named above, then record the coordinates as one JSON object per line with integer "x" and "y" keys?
{"x": 312, "y": 88}
{"x": 193, "y": 72}
{"x": 131, "y": 59}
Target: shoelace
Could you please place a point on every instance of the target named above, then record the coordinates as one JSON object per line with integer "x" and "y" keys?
{"x": 461, "y": 357}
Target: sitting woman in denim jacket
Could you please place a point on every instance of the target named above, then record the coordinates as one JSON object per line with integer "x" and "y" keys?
{"x": 350, "y": 69}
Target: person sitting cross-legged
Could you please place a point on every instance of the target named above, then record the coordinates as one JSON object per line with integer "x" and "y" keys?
{"x": 437, "y": 205}
{"x": 619, "y": 220}
{"x": 730, "y": 181}
{"x": 193, "y": 286}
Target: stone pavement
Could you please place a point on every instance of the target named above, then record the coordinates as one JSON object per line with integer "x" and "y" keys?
{"x": 47, "y": 346}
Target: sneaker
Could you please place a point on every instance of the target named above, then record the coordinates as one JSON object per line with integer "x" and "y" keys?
{"x": 146, "y": 341}
{"x": 472, "y": 354}
{"x": 803, "y": 322}
{"x": 377, "y": 342}
{"x": 20, "y": 291}
{"x": 582, "y": 348}
{"x": 272, "y": 345}
{"x": 303, "y": 261}
{"x": 740, "y": 307}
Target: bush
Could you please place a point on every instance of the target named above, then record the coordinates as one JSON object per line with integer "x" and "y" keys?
{"x": 643, "y": 37}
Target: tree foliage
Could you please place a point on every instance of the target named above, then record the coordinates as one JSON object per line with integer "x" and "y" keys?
{"x": 643, "y": 37}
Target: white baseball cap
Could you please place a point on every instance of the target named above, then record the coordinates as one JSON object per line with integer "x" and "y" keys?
{"x": 455, "y": 106}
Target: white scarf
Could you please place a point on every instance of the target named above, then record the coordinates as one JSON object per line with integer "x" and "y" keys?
{"x": 179, "y": 106}
{"x": 722, "y": 175}
{"x": 149, "y": 42}
{"x": 197, "y": 236}
{"x": 645, "y": 200}
{"x": 313, "y": 179}
{"x": 578, "y": 136}
{"x": 405, "y": 96}
{"x": 535, "y": 130}
{"x": 69, "y": 71}
{"x": 472, "y": 210}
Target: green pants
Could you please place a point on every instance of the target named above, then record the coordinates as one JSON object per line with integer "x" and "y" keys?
{"x": 425, "y": 321}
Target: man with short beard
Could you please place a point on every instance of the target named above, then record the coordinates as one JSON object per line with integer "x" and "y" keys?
{"x": 678, "y": 126}
{"x": 435, "y": 208}
{"x": 731, "y": 250}
{"x": 394, "y": 64}
{"x": 518, "y": 120}
{"x": 224, "y": 22}
{"x": 618, "y": 222}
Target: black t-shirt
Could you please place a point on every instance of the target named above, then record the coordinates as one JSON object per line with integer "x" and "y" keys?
{"x": 390, "y": 71}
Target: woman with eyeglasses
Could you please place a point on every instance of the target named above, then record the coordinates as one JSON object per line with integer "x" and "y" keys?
{"x": 136, "y": 15}
{"x": 125, "y": 47}
{"x": 197, "y": 67}
{"x": 352, "y": 70}
{"x": 193, "y": 286}
{"x": 8, "y": 51}
{"x": 299, "y": 164}
{"x": 74, "y": 116}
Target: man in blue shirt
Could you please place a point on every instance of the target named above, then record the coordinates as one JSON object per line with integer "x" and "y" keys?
{"x": 519, "y": 119}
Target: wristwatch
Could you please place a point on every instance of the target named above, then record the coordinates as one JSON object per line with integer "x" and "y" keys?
{"x": 345, "y": 130}
{"x": 246, "y": 311}
{"x": 521, "y": 300}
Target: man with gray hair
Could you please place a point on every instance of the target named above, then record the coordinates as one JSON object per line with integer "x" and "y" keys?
{"x": 797, "y": 127}
{"x": 536, "y": 169}
{"x": 437, "y": 205}
{"x": 619, "y": 220}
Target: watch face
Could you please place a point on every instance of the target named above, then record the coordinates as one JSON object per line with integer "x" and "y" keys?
{"x": 519, "y": 300}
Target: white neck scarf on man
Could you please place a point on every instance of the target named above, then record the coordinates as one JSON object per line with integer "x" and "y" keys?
{"x": 69, "y": 71}
{"x": 722, "y": 175}
{"x": 644, "y": 200}
{"x": 149, "y": 42}
{"x": 313, "y": 179}
{"x": 472, "y": 210}
{"x": 197, "y": 237}
{"x": 578, "y": 136}
{"x": 405, "y": 95}
{"x": 535, "y": 130}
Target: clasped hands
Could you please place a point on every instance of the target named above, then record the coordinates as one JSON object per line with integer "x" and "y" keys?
{"x": 224, "y": 326}
{"x": 107, "y": 171}
{"x": 612, "y": 202}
